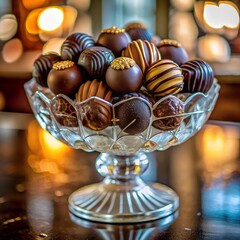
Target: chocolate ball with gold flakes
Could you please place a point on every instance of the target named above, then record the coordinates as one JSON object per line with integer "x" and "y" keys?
{"x": 173, "y": 50}
{"x": 65, "y": 77}
{"x": 163, "y": 77}
{"x": 116, "y": 39}
{"x": 124, "y": 75}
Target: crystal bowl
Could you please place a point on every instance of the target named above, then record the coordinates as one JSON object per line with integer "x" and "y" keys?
{"x": 122, "y": 196}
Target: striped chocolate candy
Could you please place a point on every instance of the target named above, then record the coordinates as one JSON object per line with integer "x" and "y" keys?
{"x": 74, "y": 45}
{"x": 164, "y": 77}
{"x": 142, "y": 52}
{"x": 198, "y": 76}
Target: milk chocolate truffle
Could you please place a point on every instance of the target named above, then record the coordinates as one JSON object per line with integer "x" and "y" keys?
{"x": 65, "y": 77}
{"x": 132, "y": 115}
{"x": 42, "y": 66}
{"x": 74, "y": 45}
{"x": 169, "y": 111}
{"x": 164, "y": 77}
{"x": 124, "y": 75}
{"x": 143, "y": 53}
{"x": 95, "y": 61}
{"x": 138, "y": 30}
{"x": 198, "y": 76}
{"x": 115, "y": 39}
{"x": 173, "y": 50}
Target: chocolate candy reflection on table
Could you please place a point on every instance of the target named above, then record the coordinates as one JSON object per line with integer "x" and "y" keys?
{"x": 116, "y": 39}
{"x": 42, "y": 66}
{"x": 173, "y": 50}
{"x": 138, "y": 30}
{"x": 143, "y": 53}
{"x": 74, "y": 45}
{"x": 163, "y": 77}
{"x": 65, "y": 77}
{"x": 133, "y": 116}
{"x": 95, "y": 114}
{"x": 171, "y": 106}
{"x": 95, "y": 61}
{"x": 124, "y": 75}
{"x": 198, "y": 76}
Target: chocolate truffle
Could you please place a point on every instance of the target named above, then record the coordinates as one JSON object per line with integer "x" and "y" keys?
{"x": 124, "y": 75}
{"x": 138, "y": 30}
{"x": 65, "y": 77}
{"x": 74, "y": 45}
{"x": 132, "y": 115}
{"x": 164, "y": 77}
{"x": 64, "y": 113}
{"x": 198, "y": 76}
{"x": 95, "y": 61}
{"x": 170, "y": 113}
{"x": 143, "y": 53}
{"x": 42, "y": 66}
{"x": 115, "y": 39}
{"x": 173, "y": 50}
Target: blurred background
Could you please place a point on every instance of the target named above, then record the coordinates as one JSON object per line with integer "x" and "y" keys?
{"x": 207, "y": 29}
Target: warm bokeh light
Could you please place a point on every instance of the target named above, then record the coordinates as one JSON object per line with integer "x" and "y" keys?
{"x": 53, "y": 45}
{"x": 213, "y": 47}
{"x": 31, "y": 21}
{"x": 225, "y": 14}
{"x": 82, "y": 5}
{"x": 32, "y": 4}
{"x": 12, "y": 50}
{"x": 8, "y": 26}
{"x": 50, "y": 18}
{"x": 183, "y": 5}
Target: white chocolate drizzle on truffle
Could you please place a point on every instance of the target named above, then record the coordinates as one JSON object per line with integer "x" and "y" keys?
{"x": 169, "y": 42}
{"x": 61, "y": 65}
{"x": 113, "y": 30}
{"x": 122, "y": 63}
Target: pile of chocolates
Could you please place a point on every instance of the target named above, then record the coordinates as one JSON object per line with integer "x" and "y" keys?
{"x": 123, "y": 63}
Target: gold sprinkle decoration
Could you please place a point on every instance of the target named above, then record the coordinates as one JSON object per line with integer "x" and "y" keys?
{"x": 136, "y": 25}
{"x": 169, "y": 42}
{"x": 113, "y": 30}
{"x": 13, "y": 220}
{"x": 122, "y": 63}
{"x": 61, "y": 65}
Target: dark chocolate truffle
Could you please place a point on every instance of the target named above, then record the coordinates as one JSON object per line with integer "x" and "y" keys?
{"x": 170, "y": 113}
{"x": 65, "y": 77}
{"x": 173, "y": 50}
{"x": 198, "y": 76}
{"x": 164, "y": 77}
{"x": 95, "y": 61}
{"x": 42, "y": 66}
{"x": 133, "y": 115}
{"x": 74, "y": 45}
{"x": 115, "y": 39}
{"x": 124, "y": 75}
{"x": 143, "y": 53}
{"x": 138, "y": 30}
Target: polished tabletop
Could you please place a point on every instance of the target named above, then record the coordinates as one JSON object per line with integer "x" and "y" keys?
{"x": 38, "y": 173}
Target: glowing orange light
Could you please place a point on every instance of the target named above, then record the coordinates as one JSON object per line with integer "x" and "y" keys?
{"x": 50, "y": 18}
{"x": 31, "y": 21}
{"x": 34, "y": 4}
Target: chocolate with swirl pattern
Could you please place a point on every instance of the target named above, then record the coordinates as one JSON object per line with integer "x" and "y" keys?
{"x": 95, "y": 61}
{"x": 198, "y": 76}
{"x": 143, "y": 53}
{"x": 74, "y": 45}
{"x": 164, "y": 77}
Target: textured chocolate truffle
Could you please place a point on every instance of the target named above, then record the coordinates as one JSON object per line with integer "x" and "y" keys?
{"x": 164, "y": 77}
{"x": 138, "y": 30}
{"x": 173, "y": 50}
{"x": 124, "y": 76}
{"x": 95, "y": 61}
{"x": 143, "y": 53}
{"x": 115, "y": 39}
{"x": 74, "y": 45}
{"x": 198, "y": 76}
{"x": 65, "y": 77}
{"x": 170, "y": 111}
{"x": 42, "y": 66}
{"x": 133, "y": 115}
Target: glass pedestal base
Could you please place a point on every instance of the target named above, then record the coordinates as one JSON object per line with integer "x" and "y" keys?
{"x": 114, "y": 202}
